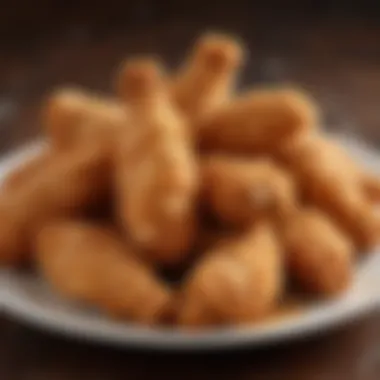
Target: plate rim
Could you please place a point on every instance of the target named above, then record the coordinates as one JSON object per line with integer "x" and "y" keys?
{"x": 130, "y": 336}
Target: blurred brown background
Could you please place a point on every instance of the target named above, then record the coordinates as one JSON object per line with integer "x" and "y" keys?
{"x": 329, "y": 47}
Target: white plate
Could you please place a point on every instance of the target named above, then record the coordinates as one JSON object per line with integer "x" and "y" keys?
{"x": 28, "y": 298}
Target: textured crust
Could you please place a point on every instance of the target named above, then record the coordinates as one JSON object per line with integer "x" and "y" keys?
{"x": 239, "y": 191}
{"x": 90, "y": 263}
{"x": 331, "y": 180}
{"x": 67, "y": 184}
{"x": 258, "y": 121}
{"x": 73, "y": 116}
{"x": 237, "y": 283}
{"x": 207, "y": 78}
{"x": 157, "y": 180}
{"x": 318, "y": 254}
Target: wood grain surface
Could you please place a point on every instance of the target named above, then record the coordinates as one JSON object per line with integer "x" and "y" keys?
{"x": 329, "y": 48}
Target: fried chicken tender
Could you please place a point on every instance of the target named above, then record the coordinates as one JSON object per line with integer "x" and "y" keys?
{"x": 258, "y": 121}
{"x": 157, "y": 179}
{"x": 69, "y": 183}
{"x": 237, "y": 283}
{"x": 242, "y": 190}
{"x": 331, "y": 180}
{"x": 208, "y": 77}
{"x": 71, "y": 116}
{"x": 90, "y": 263}
{"x": 318, "y": 254}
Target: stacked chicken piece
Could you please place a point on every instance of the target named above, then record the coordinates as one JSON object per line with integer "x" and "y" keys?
{"x": 180, "y": 172}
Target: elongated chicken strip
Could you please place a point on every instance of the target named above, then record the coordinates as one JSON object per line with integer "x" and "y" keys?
{"x": 157, "y": 178}
{"x": 71, "y": 115}
{"x": 237, "y": 283}
{"x": 331, "y": 180}
{"x": 258, "y": 121}
{"x": 90, "y": 263}
{"x": 239, "y": 191}
{"x": 208, "y": 76}
{"x": 68, "y": 184}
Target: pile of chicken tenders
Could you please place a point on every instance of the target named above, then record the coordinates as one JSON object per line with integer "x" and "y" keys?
{"x": 237, "y": 194}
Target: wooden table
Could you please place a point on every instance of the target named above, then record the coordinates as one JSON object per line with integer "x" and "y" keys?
{"x": 334, "y": 54}
{"x": 351, "y": 353}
